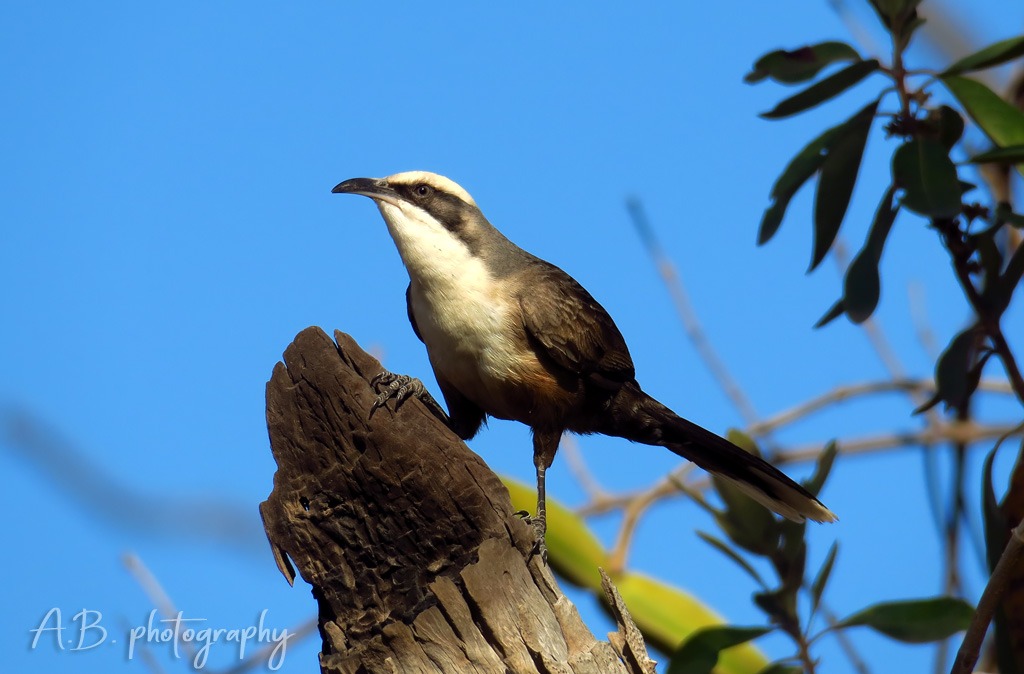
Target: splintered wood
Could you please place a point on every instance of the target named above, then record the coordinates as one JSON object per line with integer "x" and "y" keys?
{"x": 415, "y": 556}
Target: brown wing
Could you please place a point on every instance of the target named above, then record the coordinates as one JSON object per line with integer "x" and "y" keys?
{"x": 569, "y": 327}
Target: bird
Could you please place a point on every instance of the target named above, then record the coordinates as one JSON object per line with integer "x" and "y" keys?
{"x": 511, "y": 336}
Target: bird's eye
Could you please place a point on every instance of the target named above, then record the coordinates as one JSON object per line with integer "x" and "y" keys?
{"x": 423, "y": 190}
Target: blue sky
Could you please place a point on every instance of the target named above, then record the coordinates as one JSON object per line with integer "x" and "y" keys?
{"x": 169, "y": 227}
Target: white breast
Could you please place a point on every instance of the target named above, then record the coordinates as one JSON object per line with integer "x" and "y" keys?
{"x": 456, "y": 304}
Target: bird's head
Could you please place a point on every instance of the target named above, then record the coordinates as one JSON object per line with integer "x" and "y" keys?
{"x": 428, "y": 216}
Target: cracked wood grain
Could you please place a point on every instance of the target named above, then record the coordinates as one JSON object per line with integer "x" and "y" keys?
{"x": 409, "y": 541}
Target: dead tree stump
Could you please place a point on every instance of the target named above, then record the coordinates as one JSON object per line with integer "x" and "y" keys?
{"x": 416, "y": 559}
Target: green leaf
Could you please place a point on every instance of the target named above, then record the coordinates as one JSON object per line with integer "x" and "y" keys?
{"x": 790, "y": 67}
{"x": 1007, "y": 283}
{"x": 824, "y": 90}
{"x": 900, "y": 17}
{"x": 667, "y": 616}
{"x": 743, "y": 441}
{"x": 996, "y": 526}
{"x": 862, "y": 285}
{"x": 951, "y": 371}
{"x": 916, "y": 621}
{"x": 791, "y": 558}
{"x": 837, "y": 178}
{"x": 949, "y": 124}
{"x": 1002, "y": 122}
{"x": 928, "y": 177}
{"x": 991, "y": 258}
{"x": 805, "y": 164}
{"x": 745, "y": 521}
{"x": 1002, "y": 155}
{"x": 1005, "y": 215}
{"x": 832, "y": 314}
{"x": 997, "y": 533}
{"x": 885, "y": 216}
{"x": 821, "y": 579}
{"x": 699, "y": 653}
{"x": 993, "y": 55}
{"x": 780, "y": 605}
{"x": 822, "y": 468}
{"x": 724, "y": 548}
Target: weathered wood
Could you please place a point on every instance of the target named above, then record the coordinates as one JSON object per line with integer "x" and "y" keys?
{"x": 416, "y": 559}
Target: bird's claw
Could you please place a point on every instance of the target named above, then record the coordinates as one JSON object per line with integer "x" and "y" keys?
{"x": 401, "y": 387}
{"x": 539, "y": 527}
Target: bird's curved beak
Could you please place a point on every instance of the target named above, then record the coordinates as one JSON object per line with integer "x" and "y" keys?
{"x": 375, "y": 188}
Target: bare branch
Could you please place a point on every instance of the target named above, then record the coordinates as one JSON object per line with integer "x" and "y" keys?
{"x": 847, "y": 392}
{"x": 1012, "y": 555}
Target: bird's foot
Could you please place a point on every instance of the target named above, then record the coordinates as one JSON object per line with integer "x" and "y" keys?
{"x": 401, "y": 387}
{"x": 539, "y": 526}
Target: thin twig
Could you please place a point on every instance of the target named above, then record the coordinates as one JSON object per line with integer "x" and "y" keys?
{"x": 1012, "y": 555}
{"x": 156, "y": 593}
{"x": 634, "y": 510}
{"x": 844, "y": 642}
{"x": 968, "y": 433}
{"x": 848, "y": 391}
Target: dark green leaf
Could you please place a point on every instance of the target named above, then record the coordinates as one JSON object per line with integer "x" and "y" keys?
{"x": 745, "y": 521}
{"x": 832, "y": 314}
{"x": 997, "y": 533}
{"x": 780, "y": 606}
{"x": 928, "y": 404}
{"x": 699, "y": 653}
{"x": 862, "y": 285}
{"x": 1002, "y": 155}
{"x": 838, "y": 176}
{"x": 951, "y": 370}
{"x": 796, "y": 173}
{"x": 824, "y": 90}
{"x": 1005, "y": 215}
{"x": 1008, "y": 282}
{"x": 909, "y": 27}
{"x": 790, "y": 67}
{"x": 821, "y": 579}
{"x": 993, "y": 55}
{"x": 885, "y": 216}
{"x": 1001, "y": 121}
{"x": 791, "y": 559}
{"x": 923, "y": 169}
{"x": 991, "y": 264}
{"x": 781, "y": 668}
{"x": 724, "y": 548}
{"x": 822, "y": 468}
{"x": 916, "y": 621}
{"x": 899, "y": 16}
{"x": 743, "y": 441}
{"x": 949, "y": 124}
{"x": 772, "y": 220}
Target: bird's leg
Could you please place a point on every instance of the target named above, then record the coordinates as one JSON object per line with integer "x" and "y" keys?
{"x": 545, "y": 444}
{"x": 401, "y": 387}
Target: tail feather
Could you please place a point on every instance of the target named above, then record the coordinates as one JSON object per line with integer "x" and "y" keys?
{"x": 636, "y": 416}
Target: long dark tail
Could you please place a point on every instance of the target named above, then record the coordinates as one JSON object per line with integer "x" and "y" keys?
{"x": 636, "y": 416}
